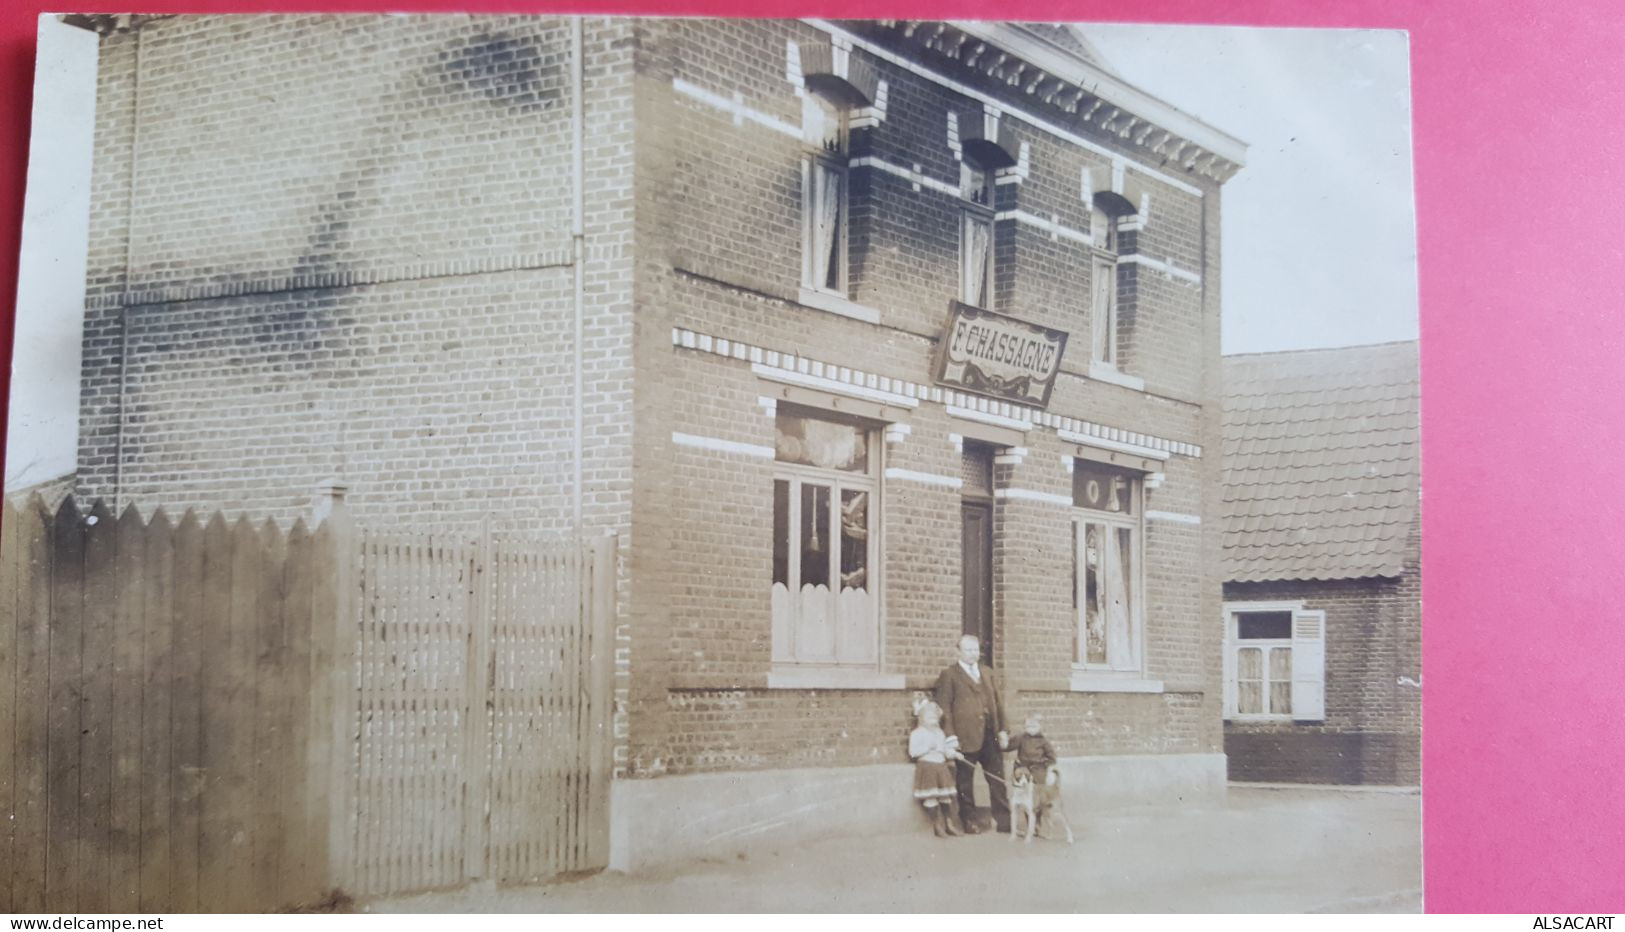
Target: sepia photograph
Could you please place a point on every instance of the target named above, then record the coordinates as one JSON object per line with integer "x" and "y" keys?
{"x": 541, "y": 463}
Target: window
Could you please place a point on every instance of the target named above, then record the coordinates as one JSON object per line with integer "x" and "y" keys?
{"x": 1274, "y": 665}
{"x": 976, "y": 238}
{"x": 1106, "y": 585}
{"x": 824, "y": 196}
{"x": 1264, "y": 663}
{"x": 1103, "y": 285}
{"x": 824, "y": 512}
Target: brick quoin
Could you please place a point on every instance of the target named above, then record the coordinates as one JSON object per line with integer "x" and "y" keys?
{"x": 341, "y": 245}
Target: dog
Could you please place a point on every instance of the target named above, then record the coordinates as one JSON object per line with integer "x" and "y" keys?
{"x": 1036, "y": 800}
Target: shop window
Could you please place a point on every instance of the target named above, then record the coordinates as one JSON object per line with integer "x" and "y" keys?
{"x": 824, "y": 533}
{"x": 1104, "y": 318}
{"x": 1107, "y": 568}
{"x": 824, "y": 196}
{"x": 976, "y": 237}
{"x": 1274, "y": 666}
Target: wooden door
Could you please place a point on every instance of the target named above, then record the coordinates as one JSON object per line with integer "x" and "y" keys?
{"x": 976, "y": 541}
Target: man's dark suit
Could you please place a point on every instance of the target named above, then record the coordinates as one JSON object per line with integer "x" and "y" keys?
{"x": 973, "y": 712}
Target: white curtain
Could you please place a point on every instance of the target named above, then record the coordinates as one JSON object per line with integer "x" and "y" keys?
{"x": 826, "y": 224}
{"x": 978, "y": 240}
{"x": 1101, "y": 327}
{"x": 1119, "y": 627}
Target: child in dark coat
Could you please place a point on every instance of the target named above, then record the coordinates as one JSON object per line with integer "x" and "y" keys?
{"x": 1034, "y": 752}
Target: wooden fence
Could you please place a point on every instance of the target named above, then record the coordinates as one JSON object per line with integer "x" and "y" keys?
{"x": 217, "y": 716}
{"x": 484, "y": 683}
{"x": 157, "y": 713}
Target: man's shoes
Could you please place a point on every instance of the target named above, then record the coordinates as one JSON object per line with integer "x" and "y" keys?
{"x": 971, "y": 828}
{"x": 1004, "y": 828}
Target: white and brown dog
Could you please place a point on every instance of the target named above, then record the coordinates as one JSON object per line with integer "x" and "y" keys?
{"x": 1036, "y": 800}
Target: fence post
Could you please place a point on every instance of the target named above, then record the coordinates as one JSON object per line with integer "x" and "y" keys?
{"x": 600, "y": 684}
{"x": 334, "y": 703}
{"x": 476, "y": 735}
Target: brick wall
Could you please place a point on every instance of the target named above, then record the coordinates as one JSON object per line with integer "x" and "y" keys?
{"x": 1372, "y": 731}
{"x": 341, "y": 244}
{"x": 720, "y": 253}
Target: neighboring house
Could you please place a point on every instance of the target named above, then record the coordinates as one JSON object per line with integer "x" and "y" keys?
{"x": 1322, "y": 551}
{"x": 889, "y": 331}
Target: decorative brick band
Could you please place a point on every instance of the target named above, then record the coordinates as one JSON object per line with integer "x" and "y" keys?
{"x": 925, "y": 478}
{"x": 349, "y": 278}
{"x": 735, "y": 106}
{"x": 716, "y": 445}
{"x": 1172, "y": 517}
{"x": 913, "y": 176}
{"x": 1031, "y": 495}
{"x": 1167, "y": 268}
{"x": 936, "y": 394}
{"x": 1049, "y": 225}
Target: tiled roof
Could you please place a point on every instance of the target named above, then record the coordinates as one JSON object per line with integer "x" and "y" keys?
{"x": 1321, "y": 462}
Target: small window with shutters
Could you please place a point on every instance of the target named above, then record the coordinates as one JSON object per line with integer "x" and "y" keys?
{"x": 1274, "y": 662}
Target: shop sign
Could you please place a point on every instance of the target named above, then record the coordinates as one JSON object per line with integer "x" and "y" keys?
{"x": 1002, "y": 357}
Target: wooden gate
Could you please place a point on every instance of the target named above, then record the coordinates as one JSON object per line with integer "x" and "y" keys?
{"x": 483, "y": 746}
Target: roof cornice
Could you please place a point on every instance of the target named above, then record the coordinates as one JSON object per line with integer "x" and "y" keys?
{"x": 1113, "y": 90}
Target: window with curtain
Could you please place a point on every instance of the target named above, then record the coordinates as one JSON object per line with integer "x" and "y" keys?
{"x": 824, "y": 196}
{"x": 1274, "y": 662}
{"x": 824, "y": 531}
{"x": 1103, "y": 286}
{"x": 1106, "y": 536}
{"x": 976, "y": 260}
{"x": 976, "y": 238}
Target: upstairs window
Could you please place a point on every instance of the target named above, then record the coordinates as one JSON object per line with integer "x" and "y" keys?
{"x": 1103, "y": 286}
{"x": 824, "y": 196}
{"x": 976, "y": 237}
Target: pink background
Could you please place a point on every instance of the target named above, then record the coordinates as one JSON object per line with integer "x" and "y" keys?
{"x": 1520, "y": 180}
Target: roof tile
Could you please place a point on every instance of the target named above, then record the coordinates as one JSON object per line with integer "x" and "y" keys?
{"x": 1321, "y": 462}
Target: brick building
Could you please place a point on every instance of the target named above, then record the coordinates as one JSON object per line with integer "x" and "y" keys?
{"x": 858, "y": 334}
{"x": 1322, "y": 553}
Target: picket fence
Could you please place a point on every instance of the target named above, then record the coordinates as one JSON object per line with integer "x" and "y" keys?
{"x": 214, "y": 715}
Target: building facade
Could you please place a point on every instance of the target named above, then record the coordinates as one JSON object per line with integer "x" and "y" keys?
{"x": 1322, "y": 544}
{"x": 859, "y": 335}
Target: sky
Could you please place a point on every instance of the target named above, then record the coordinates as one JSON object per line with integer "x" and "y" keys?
{"x": 1319, "y": 236}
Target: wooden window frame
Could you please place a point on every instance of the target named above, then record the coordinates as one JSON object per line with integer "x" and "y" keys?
{"x": 821, "y": 158}
{"x": 971, "y": 212}
{"x": 868, "y": 481}
{"x": 1135, "y": 523}
{"x": 1233, "y": 644}
{"x": 1103, "y": 258}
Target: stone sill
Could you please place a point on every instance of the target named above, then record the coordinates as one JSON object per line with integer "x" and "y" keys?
{"x": 1088, "y": 681}
{"x": 1101, "y": 372}
{"x": 831, "y": 678}
{"x": 788, "y": 677}
{"x": 835, "y": 304}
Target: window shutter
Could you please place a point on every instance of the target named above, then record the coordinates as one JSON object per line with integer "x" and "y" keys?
{"x": 1228, "y": 650}
{"x": 1309, "y": 666}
